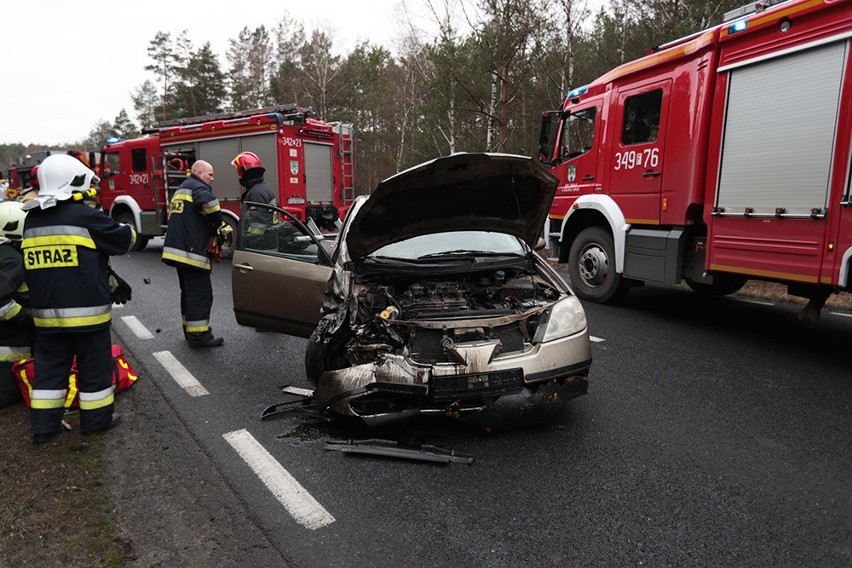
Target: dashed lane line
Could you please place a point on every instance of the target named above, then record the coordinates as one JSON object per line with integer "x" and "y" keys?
{"x": 594, "y": 339}
{"x": 754, "y": 302}
{"x": 137, "y": 327}
{"x": 301, "y": 505}
{"x": 179, "y": 373}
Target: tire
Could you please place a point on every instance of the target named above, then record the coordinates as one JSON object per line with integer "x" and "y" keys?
{"x": 126, "y": 217}
{"x": 320, "y": 357}
{"x": 723, "y": 284}
{"x": 228, "y": 246}
{"x": 591, "y": 266}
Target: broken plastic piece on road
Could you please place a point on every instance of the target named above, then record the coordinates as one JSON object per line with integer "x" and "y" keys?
{"x": 393, "y": 449}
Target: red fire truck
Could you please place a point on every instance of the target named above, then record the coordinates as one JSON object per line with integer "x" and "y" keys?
{"x": 717, "y": 158}
{"x": 308, "y": 161}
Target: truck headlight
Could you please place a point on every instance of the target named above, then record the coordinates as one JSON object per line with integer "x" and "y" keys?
{"x": 566, "y": 318}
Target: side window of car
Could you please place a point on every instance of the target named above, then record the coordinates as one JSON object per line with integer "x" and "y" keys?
{"x": 578, "y": 133}
{"x": 268, "y": 230}
{"x": 642, "y": 118}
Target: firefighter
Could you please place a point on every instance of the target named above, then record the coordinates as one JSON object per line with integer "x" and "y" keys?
{"x": 258, "y": 222}
{"x": 16, "y": 325}
{"x": 191, "y": 240}
{"x": 66, "y": 248}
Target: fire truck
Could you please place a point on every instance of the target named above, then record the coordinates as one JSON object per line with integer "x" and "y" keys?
{"x": 717, "y": 158}
{"x": 309, "y": 163}
{"x": 19, "y": 172}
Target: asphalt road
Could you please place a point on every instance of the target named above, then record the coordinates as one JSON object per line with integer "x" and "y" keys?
{"x": 715, "y": 432}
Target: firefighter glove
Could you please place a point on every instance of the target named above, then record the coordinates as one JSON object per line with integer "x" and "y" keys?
{"x": 214, "y": 249}
{"x": 120, "y": 290}
{"x": 225, "y": 234}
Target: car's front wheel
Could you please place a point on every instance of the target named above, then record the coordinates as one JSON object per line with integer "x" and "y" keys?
{"x": 320, "y": 357}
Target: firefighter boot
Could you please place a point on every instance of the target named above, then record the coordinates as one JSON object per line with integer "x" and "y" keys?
{"x": 115, "y": 421}
{"x": 203, "y": 340}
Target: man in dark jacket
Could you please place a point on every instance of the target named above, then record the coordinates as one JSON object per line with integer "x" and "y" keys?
{"x": 194, "y": 219}
{"x": 66, "y": 248}
{"x": 16, "y": 324}
{"x": 260, "y": 224}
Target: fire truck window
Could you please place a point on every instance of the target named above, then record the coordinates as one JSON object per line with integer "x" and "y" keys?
{"x": 578, "y": 133}
{"x": 139, "y": 157}
{"x": 642, "y": 118}
{"x": 111, "y": 163}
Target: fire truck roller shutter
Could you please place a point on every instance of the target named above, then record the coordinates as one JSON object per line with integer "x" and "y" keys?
{"x": 220, "y": 153}
{"x": 318, "y": 176}
{"x": 264, "y": 146}
{"x": 779, "y": 131}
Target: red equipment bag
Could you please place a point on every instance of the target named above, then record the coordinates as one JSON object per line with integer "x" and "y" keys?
{"x": 123, "y": 377}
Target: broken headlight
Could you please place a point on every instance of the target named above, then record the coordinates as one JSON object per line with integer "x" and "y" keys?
{"x": 566, "y": 317}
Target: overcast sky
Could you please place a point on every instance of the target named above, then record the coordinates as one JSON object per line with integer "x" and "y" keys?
{"x": 69, "y": 65}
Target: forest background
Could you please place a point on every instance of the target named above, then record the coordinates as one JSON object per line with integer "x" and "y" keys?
{"x": 480, "y": 83}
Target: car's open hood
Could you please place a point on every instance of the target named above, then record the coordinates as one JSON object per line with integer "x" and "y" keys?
{"x": 489, "y": 192}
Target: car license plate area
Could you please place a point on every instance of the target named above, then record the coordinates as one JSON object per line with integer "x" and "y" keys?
{"x": 476, "y": 385}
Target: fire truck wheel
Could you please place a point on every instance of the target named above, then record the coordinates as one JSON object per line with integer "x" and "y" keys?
{"x": 591, "y": 266}
{"x": 126, "y": 217}
{"x": 723, "y": 284}
{"x": 228, "y": 246}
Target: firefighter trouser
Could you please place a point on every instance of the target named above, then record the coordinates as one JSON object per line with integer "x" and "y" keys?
{"x": 54, "y": 353}
{"x": 196, "y": 300}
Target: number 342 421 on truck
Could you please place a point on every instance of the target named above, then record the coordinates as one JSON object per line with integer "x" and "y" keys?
{"x": 717, "y": 158}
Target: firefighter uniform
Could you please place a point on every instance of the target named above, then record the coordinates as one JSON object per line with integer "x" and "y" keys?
{"x": 66, "y": 250}
{"x": 16, "y": 325}
{"x": 261, "y": 224}
{"x": 194, "y": 218}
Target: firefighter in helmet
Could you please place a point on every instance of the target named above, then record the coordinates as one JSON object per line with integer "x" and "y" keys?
{"x": 30, "y": 193}
{"x": 66, "y": 248}
{"x": 261, "y": 224}
{"x": 16, "y": 325}
{"x": 195, "y": 220}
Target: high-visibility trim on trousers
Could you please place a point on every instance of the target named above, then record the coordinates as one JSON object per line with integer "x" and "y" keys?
{"x": 14, "y": 353}
{"x": 198, "y": 326}
{"x": 48, "y": 399}
{"x": 93, "y": 400}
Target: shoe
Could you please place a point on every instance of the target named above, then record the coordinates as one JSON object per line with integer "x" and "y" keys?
{"x": 211, "y": 342}
{"x": 44, "y": 437}
{"x": 116, "y": 420}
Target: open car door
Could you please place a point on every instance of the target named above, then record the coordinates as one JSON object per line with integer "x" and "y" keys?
{"x": 278, "y": 272}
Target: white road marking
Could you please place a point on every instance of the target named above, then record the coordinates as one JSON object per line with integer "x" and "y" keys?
{"x": 179, "y": 373}
{"x": 841, "y": 314}
{"x": 137, "y": 327}
{"x": 299, "y": 503}
{"x": 298, "y": 391}
{"x": 594, "y": 339}
{"x": 754, "y": 302}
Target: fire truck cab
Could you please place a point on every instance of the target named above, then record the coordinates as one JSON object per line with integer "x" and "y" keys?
{"x": 308, "y": 162}
{"x": 716, "y": 158}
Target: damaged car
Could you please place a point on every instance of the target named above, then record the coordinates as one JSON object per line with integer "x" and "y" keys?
{"x": 431, "y": 299}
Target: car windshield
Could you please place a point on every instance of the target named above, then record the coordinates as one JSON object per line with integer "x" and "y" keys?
{"x": 461, "y": 243}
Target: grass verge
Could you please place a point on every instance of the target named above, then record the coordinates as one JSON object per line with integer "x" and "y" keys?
{"x": 56, "y": 510}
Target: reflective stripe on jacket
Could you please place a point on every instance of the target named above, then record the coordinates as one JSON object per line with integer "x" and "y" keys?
{"x": 66, "y": 252}
{"x": 194, "y": 217}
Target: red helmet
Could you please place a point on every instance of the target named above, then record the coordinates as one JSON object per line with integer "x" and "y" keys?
{"x": 246, "y": 161}
{"x": 80, "y": 156}
{"x": 34, "y": 177}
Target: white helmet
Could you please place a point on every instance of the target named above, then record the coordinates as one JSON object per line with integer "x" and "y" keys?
{"x": 12, "y": 220}
{"x": 59, "y": 175}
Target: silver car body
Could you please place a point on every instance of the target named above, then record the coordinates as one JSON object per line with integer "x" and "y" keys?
{"x": 492, "y": 336}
